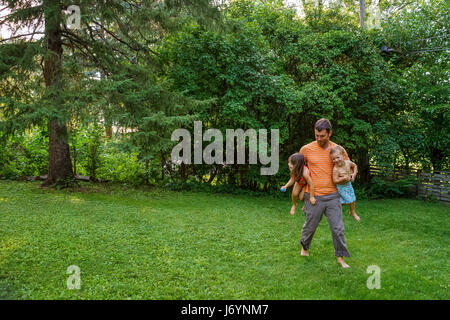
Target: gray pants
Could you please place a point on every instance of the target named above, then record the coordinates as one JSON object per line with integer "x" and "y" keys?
{"x": 331, "y": 206}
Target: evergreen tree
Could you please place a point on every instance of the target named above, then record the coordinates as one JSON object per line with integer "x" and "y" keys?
{"x": 107, "y": 71}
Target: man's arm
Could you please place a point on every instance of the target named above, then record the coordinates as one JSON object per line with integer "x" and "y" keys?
{"x": 310, "y": 183}
{"x": 303, "y": 151}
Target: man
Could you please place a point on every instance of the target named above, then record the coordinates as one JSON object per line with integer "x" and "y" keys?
{"x": 317, "y": 155}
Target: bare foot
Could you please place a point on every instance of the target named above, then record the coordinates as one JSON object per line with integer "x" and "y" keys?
{"x": 342, "y": 262}
{"x": 293, "y": 210}
{"x": 354, "y": 215}
{"x": 304, "y": 253}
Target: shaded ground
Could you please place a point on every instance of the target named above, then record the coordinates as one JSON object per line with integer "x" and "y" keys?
{"x": 183, "y": 245}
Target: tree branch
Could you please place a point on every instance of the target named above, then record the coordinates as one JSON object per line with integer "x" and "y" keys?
{"x": 124, "y": 42}
{"x": 74, "y": 38}
{"x": 91, "y": 34}
{"x": 116, "y": 37}
{"x": 4, "y": 8}
{"x": 22, "y": 35}
{"x": 37, "y": 25}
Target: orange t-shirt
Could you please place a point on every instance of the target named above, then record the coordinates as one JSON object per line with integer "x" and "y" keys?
{"x": 321, "y": 167}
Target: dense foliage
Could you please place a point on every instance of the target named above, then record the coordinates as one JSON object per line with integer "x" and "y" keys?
{"x": 252, "y": 64}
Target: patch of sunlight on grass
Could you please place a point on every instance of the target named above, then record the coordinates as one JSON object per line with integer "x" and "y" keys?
{"x": 75, "y": 200}
{"x": 149, "y": 210}
{"x": 3, "y": 199}
{"x": 7, "y": 246}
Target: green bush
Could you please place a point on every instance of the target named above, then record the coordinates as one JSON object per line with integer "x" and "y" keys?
{"x": 88, "y": 143}
{"x": 120, "y": 166}
{"x": 226, "y": 189}
{"x": 381, "y": 188}
{"x": 24, "y": 154}
{"x": 360, "y": 191}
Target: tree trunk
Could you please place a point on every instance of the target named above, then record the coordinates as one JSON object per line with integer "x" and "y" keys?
{"x": 74, "y": 161}
{"x": 243, "y": 171}
{"x": 163, "y": 164}
{"x": 406, "y": 156}
{"x": 108, "y": 131}
{"x": 232, "y": 174}
{"x": 436, "y": 157}
{"x": 94, "y": 163}
{"x": 364, "y": 167}
{"x": 60, "y": 165}
{"x": 147, "y": 166}
{"x": 183, "y": 171}
{"x": 215, "y": 173}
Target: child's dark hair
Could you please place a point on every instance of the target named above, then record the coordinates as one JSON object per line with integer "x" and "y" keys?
{"x": 298, "y": 161}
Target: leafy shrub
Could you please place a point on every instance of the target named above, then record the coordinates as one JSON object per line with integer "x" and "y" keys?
{"x": 227, "y": 189}
{"x": 381, "y": 188}
{"x": 88, "y": 143}
{"x": 120, "y": 166}
{"x": 360, "y": 191}
{"x": 24, "y": 154}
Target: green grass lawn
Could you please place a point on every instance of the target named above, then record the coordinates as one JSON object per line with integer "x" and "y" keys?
{"x": 136, "y": 244}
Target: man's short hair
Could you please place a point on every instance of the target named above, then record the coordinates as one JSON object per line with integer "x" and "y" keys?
{"x": 322, "y": 124}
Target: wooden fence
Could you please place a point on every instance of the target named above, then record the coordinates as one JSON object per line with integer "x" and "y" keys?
{"x": 435, "y": 185}
{"x": 432, "y": 185}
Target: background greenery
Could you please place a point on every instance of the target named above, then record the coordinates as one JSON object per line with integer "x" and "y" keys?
{"x": 252, "y": 64}
{"x": 137, "y": 70}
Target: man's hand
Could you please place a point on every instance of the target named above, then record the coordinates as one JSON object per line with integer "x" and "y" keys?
{"x": 312, "y": 200}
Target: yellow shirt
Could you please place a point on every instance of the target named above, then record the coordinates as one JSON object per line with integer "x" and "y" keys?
{"x": 321, "y": 167}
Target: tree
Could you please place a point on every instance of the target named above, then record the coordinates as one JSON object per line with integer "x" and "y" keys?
{"x": 60, "y": 165}
{"x": 419, "y": 36}
{"x": 114, "y": 35}
{"x": 338, "y": 74}
{"x": 239, "y": 74}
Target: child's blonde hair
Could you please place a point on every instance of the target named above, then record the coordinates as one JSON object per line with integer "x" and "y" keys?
{"x": 336, "y": 149}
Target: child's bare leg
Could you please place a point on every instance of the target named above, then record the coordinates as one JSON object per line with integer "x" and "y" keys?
{"x": 353, "y": 211}
{"x": 295, "y": 193}
{"x": 302, "y": 196}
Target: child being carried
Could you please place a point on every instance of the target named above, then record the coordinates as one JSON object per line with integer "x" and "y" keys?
{"x": 344, "y": 171}
{"x": 300, "y": 177}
